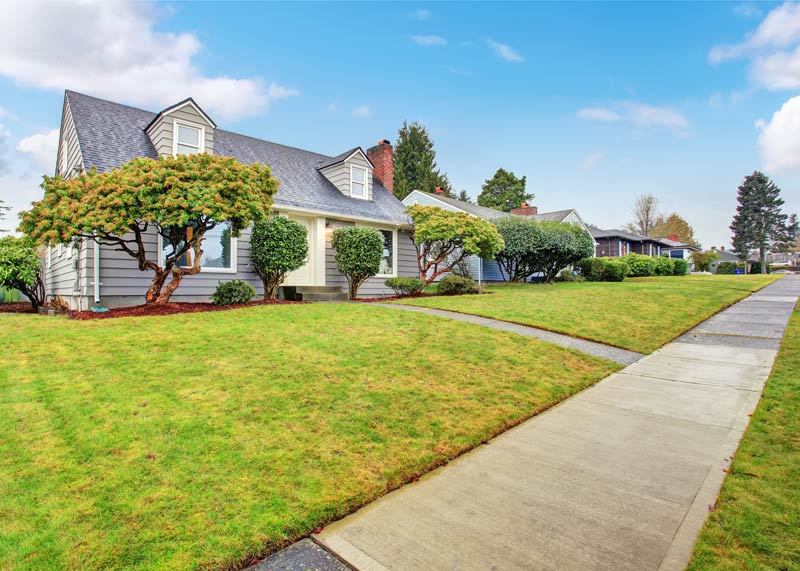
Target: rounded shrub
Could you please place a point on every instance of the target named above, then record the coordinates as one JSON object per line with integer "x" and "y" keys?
{"x": 359, "y": 251}
{"x": 614, "y": 270}
{"x": 405, "y": 286}
{"x": 567, "y": 275}
{"x": 640, "y": 266}
{"x": 727, "y": 267}
{"x": 278, "y": 245}
{"x": 665, "y": 266}
{"x": 455, "y": 285}
{"x": 681, "y": 267}
{"x": 234, "y": 291}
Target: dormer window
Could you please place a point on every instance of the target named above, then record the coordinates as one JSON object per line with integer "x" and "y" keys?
{"x": 358, "y": 182}
{"x": 189, "y": 139}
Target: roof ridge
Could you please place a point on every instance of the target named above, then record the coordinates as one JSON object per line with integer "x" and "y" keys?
{"x": 273, "y": 143}
{"x": 70, "y": 91}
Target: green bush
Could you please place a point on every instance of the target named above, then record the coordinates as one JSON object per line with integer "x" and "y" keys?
{"x": 405, "y": 286}
{"x": 568, "y": 276}
{"x": 454, "y": 285}
{"x": 20, "y": 269}
{"x": 640, "y": 266}
{"x": 615, "y": 270}
{"x": 359, "y": 251}
{"x": 8, "y": 295}
{"x": 681, "y": 267}
{"x": 234, "y": 291}
{"x": 603, "y": 269}
{"x": 756, "y": 268}
{"x": 278, "y": 245}
{"x": 727, "y": 267}
{"x": 664, "y": 266}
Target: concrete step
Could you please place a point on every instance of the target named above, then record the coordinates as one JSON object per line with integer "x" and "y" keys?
{"x": 321, "y": 296}
{"x": 307, "y": 293}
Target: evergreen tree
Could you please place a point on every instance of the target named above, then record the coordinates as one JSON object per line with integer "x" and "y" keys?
{"x": 464, "y": 197}
{"x": 759, "y": 223}
{"x": 504, "y": 191}
{"x": 415, "y": 163}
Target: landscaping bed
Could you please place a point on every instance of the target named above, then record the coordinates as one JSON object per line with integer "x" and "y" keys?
{"x": 639, "y": 314}
{"x": 202, "y": 441}
{"x": 170, "y": 309}
{"x": 756, "y": 521}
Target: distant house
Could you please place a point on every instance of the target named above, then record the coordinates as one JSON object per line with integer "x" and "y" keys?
{"x": 615, "y": 243}
{"x": 488, "y": 270}
{"x": 724, "y": 256}
{"x": 321, "y": 192}
{"x": 676, "y": 249}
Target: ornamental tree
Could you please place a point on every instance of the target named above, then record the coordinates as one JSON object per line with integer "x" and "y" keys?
{"x": 702, "y": 260}
{"x": 278, "y": 245}
{"x": 359, "y": 251}
{"x": 564, "y": 244}
{"x": 522, "y": 237}
{"x": 180, "y": 198}
{"x": 20, "y": 268}
{"x": 443, "y": 238}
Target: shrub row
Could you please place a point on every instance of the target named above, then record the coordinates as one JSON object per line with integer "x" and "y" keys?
{"x": 641, "y": 266}
{"x": 603, "y": 269}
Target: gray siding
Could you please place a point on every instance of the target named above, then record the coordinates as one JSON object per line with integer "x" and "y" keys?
{"x": 162, "y": 131}
{"x": 426, "y": 199}
{"x": 69, "y": 160}
{"x": 339, "y": 174}
{"x": 374, "y": 287}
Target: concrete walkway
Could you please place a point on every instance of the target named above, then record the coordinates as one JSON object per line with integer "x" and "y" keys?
{"x": 618, "y": 477}
{"x": 621, "y": 356}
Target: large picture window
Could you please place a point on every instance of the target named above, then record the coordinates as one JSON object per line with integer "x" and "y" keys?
{"x": 219, "y": 250}
{"x": 387, "y": 262}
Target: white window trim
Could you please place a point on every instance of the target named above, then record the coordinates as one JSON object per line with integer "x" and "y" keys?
{"x": 60, "y": 250}
{"x": 365, "y": 184}
{"x": 201, "y": 128}
{"x": 49, "y": 257}
{"x": 394, "y": 250}
{"x": 231, "y": 270}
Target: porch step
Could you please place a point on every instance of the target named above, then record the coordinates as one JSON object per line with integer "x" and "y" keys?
{"x": 313, "y": 293}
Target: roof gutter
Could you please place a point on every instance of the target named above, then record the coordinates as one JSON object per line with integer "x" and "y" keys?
{"x": 337, "y": 216}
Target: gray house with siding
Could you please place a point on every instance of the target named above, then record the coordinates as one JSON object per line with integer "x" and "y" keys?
{"x": 321, "y": 192}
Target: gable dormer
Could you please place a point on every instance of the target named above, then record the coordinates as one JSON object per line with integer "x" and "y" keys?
{"x": 350, "y": 172}
{"x": 183, "y": 128}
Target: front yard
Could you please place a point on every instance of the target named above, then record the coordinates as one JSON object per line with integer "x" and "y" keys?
{"x": 757, "y": 521}
{"x": 199, "y": 440}
{"x": 639, "y": 314}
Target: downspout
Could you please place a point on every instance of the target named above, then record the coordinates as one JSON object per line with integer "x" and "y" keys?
{"x": 96, "y": 273}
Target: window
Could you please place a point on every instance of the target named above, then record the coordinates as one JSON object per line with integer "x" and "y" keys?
{"x": 188, "y": 139}
{"x": 358, "y": 182}
{"x": 387, "y": 262}
{"x": 219, "y": 250}
{"x": 676, "y": 254}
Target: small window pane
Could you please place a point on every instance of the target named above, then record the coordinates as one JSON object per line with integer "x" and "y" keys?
{"x": 387, "y": 262}
{"x": 188, "y": 135}
{"x": 217, "y": 247}
{"x": 358, "y": 189}
{"x": 358, "y": 175}
{"x": 185, "y": 150}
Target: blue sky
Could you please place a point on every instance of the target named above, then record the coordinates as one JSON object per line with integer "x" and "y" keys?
{"x": 595, "y": 103}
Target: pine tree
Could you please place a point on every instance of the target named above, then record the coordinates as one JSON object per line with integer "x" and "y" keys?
{"x": 759, "y": 223}
{"x": 504, "y": 191}
{"x": 464, "y": 197}
{"x": 415, "y": 163}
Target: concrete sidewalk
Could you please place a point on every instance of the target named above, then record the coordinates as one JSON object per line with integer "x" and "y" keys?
{"x": 618, "y": 477}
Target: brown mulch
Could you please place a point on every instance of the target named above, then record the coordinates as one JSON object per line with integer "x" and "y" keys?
{"x": 393, "y": 297}
{"x": 170, "y": 309}
{"x": 16, "y": 307}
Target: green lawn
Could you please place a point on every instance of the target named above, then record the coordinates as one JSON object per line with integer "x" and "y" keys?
{"x": 638, "y": 314}
{"x": 195, "y": 441}
{"x": 757, "y": 521}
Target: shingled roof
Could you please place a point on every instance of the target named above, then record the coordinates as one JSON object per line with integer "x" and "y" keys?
{"x": 111, "y": 134}
{"x": 629, "y": 236}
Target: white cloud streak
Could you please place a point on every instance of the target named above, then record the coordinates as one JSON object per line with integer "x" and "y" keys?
{"x": 598, "y": 114}
{"x": 362, "y": 111}
{"x": 123, "y": 58}
{"x": 420, "y": 15}
{"x": 429, "y": 41}
{"x": 639, "y": 115}
{"x": 504, "y": 51}
{"x": 590, "y": 160}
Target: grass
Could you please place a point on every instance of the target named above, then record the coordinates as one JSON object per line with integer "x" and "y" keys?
{"x": 638, "y": 314}
{"x": 756, "y": 525}
{"x": 196, "y": 441}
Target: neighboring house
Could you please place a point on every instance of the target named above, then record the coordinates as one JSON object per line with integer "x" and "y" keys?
{"x": 724, "y": 256}
{"x": 615, "y": 243}
{"x": 676, "y": 249}
{"x": 488, "y": 270}
{"x": 319, "y": 191}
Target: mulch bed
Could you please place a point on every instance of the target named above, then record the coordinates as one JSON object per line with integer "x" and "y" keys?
{"x": 16, "y": 307}
{"x": 170, "y": 309}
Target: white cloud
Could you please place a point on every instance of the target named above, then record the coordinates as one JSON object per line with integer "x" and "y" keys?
{"x": 5, "y": 167}
{"x": 598, "y": 114}
{"x": 773, "y": 49}
{"x": 6, "y": 114}
{"x": 458, "y": 71}
{"x": 363, "y": 111}
{"x": 591, "y": 160}
{"x": 123, "y": 58}
{"x": 331, "y": 108}
{"x": 429, "y": 41}
{"x": 42, "y": 149}
{"x": 747, "y": 10}
{"x": 420, "y": 15}
{"x": 779, "y": 140}
{"x": 505, "y": 51}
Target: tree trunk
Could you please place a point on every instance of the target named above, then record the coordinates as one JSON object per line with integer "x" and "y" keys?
{"x": 154, "y": 291}
{"x": 352, "y": 288}
{"x": 271, "y": 287}
{"x": 166, "y": 292}
{"x": 34, "y": 292}
{"x": 763, "y": 260}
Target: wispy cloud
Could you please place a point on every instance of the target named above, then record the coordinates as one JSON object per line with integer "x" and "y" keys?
{"x": 331, "y": 107}
{"x": 420, "y": 15}
{"x": 362, "y": 111}
{"x": 41, "y": 148}
{"x": 639, "y": 115}
{"x": 6, "y": 114}
{"x": 429, "y": 41}
{"x": 747, "y": 10}
{"x": 458, "y": 71}
{"x": 504, "y": 51}
{"x": 591, "y": 160}
{"x": 598, "y": 114}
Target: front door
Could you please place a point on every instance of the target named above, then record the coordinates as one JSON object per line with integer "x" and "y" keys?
{"x": 303, "y": 275}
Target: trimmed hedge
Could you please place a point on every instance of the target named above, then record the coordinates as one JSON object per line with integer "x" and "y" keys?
{"x": 234, "y": 291}
{"x": 405, "y": 286}
{"x": 681, "y": 267}
{"x": 603, "y": 269}
{"x": 665, "y": 266}
{"x": 454, "y": 285}
{"x": 727, "y": 267}
{"x": 640, "y": 266}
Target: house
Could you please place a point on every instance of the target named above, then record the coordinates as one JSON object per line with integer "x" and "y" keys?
{"x": 321, "y": 192}
{"x": 479, "y": 269}
{"x": 674, "y": 248}
{"x": 724, "y": 256}
{"x": 615, "y": 243}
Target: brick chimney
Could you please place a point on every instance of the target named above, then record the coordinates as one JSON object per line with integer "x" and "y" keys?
{"x": 382, "y": 157}
{"x": 673, "y": 237}
{"x": 439, "y": 190}
{"x": 525, "y": 210}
